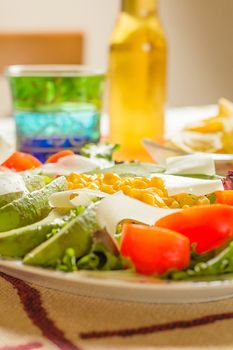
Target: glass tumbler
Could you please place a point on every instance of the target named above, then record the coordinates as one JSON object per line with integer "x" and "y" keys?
{"x": 55, "y": 107}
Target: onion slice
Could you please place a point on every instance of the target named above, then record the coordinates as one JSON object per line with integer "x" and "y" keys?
{"x": 115, "y": 208}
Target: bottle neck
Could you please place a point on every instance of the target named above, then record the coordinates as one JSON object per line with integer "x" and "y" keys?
{"x": 140, "y": 8}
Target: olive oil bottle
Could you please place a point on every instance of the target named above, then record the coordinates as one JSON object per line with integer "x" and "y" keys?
{"x": 137, "y": 78}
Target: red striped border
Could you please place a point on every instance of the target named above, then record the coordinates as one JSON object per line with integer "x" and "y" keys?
{"x": 158, "y": 328}
{"x": 32, "y": 304}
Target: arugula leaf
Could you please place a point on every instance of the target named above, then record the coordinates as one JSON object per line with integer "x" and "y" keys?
{"x": 101, "y": 150}
{"x": 68, "y": 262}
{"x": 219, "y": 265}
{"x": 212, "y": 198}
{"x": 197, "y": 258}
{"x": 100, "y": 259}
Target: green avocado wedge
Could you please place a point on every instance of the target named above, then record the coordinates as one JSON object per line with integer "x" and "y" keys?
{"x": 132, "y": 169}
{"x": 33, "y": 182}
{"x": 77, "y": 234}
{"x": 18, "y": 242}
{"x": 9, "y": 197}
{"x": 30, "y": 208}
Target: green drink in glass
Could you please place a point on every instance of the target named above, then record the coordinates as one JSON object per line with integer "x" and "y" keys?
{"x": 55, "y": 107}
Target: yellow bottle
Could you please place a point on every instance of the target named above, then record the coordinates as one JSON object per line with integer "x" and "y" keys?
{"x": 137, "y": 75}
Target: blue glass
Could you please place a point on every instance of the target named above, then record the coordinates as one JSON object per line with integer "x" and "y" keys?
{"x": 42, "y": 134}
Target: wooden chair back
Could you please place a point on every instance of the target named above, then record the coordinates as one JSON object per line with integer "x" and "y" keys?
{"x": 36, "y": 48}
{"x": 40, "y": 48}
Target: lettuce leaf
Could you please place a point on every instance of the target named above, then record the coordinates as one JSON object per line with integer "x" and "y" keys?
{"x": 219, "y": 265}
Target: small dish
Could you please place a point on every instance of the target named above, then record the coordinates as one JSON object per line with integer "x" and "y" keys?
{"x": 159, "y": 152}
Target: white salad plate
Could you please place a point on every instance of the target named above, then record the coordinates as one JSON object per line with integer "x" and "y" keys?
{"x": 121, "y": 285}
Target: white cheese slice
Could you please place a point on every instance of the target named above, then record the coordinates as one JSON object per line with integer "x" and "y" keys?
{"x": 182, "y": 184}
{"x": 69, "y": 164}
{"x": 66, "y": 199}
{"x": 112, "y": 210}
{"x": 191, "y": 164}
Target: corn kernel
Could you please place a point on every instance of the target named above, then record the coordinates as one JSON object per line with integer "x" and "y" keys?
{"x": 174, "y": 205}
{"x": 110, "y": 178}
{"x": 159, "y": 201}
{"x": 108, "y": 189}
{"x": 93, "y": 186}
{"x": 127, "y": 181}
{"x": 158, "y": 191}
{"x": 157, "y": 182}
{"x": 87, "y": 178}
{"x": 148, "y": 198}
{"x": 80, "y": 185}
{"x": 125, "y": 188}
{"x": 136, "y": 193}
{"x": 139, "y": 183}
{"x": 118, "y": 185}
{"x": 186, "y": 199}
{"x": 203, "y": 201}
{"x": 186, "y": 206}
{"x": 168, "y": 200}
{"x": 127, "y": 191}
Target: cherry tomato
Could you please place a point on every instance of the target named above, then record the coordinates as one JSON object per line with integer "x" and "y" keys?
{"x": 208, "y": 227}
{"x": 224, "y": 197}
{"x": 154, "y": 250}
{"x": 20, "y": 161}
{"x": 55, "y": 157}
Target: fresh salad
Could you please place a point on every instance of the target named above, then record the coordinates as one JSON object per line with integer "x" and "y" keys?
{"x": 85, "y": 212}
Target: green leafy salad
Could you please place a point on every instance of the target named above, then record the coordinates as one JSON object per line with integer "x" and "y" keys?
{"x": 84, "y": 212}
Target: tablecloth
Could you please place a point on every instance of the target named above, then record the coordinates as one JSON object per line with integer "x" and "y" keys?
{"x": 33, "y": 317}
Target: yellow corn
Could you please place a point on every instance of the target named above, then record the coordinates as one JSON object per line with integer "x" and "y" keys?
{"x": 151, "y": 191}
{"x": 110, "y": 178}
{"x": 148, "y": 198}
{"x": 203, "y": 201}
{"x": 93, "y": 186}
{"x": 107, "y": 188}
{"x": 139, "y": 183}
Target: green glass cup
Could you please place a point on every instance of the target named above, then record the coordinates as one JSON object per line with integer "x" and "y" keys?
{"x": 55, "y": 107}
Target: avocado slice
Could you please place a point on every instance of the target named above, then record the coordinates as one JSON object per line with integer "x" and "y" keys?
{"x": 30, "y": 208}
{"x": 131, "y": 169}
{"x": 18, "y": 242}
{"x": 77, "y": 234}
{"x": 9, "y": 197}
{"x": 33, "y": 182}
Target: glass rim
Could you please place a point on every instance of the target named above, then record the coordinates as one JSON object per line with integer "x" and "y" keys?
{"x": 52, "y": 70}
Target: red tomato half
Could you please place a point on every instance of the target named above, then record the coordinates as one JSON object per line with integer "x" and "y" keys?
{"x": 153, "y": 250}
{"x": 55, "y": 157}
{"x": 20, "y": 161}
{"x": 208, "y": 226}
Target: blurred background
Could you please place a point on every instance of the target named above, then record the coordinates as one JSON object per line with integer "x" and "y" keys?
{"x": 199, "y": 34}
